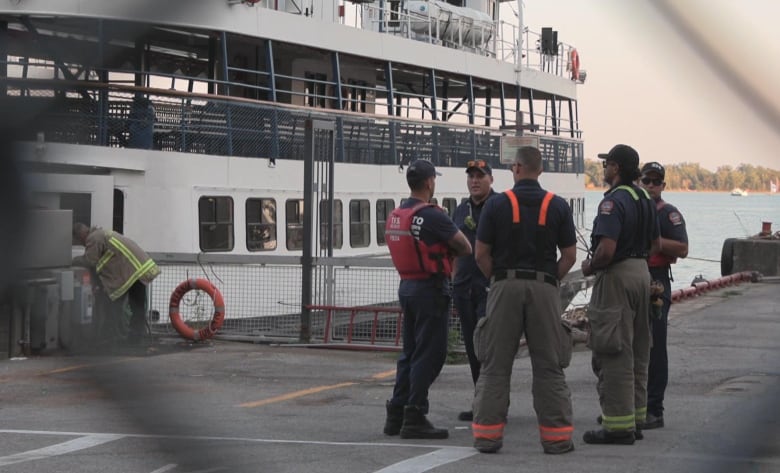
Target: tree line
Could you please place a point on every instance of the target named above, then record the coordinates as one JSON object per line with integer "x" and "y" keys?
{"x": 692, "y": 177}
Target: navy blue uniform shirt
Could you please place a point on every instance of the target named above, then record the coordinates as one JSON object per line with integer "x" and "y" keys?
{"x": 431, "y": 226}
{"x": 467, "y": 265}
{"x": 618, "y": 218}
{"x": 672, "y": 223}
{"x": 496, "y": 222}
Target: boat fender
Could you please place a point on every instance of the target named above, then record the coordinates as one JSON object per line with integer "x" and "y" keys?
{"x": 574, "y": 64}
{"x": 727, "y": 257}
{"x": 689, "y": 292}
{"x": 677, "y": 295}
{"x": 219, "y": 309}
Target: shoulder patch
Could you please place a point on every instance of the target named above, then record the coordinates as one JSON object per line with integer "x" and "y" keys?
{"x": 606, "y": 207}
{"x": 675, "y": 218}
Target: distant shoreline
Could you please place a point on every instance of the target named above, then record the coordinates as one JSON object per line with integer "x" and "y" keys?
{"x": 750, "y": 191}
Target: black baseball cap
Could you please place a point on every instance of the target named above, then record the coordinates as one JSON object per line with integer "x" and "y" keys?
{"x": 624, "y": 155}
{"x": 479, "y": 165}
{"x": 420, "y": 170}
{"x": 654, "y": 167}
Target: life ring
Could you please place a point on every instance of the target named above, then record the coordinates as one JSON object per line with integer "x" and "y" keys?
{"x": 574, "y": 64}
{"x": 219, "y": 309}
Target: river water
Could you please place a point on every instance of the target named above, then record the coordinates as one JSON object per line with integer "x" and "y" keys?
{"x": 710, "y": 218}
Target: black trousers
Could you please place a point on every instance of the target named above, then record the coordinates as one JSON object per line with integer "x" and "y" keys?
{"x": 470, "y": 302}
{"x": 658, "y": 371}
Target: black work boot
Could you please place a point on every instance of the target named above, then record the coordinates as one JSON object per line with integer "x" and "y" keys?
{"x": 416, "y": 426}
{"x": 653, "y": 422}
{"x": 625, "y": 437}
{"x": 394, "y": 420}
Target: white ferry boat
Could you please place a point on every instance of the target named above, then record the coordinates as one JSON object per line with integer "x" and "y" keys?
{"x": 195, "y": 126}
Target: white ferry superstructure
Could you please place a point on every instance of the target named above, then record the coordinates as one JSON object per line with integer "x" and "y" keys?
{"x": 183, "y": 124}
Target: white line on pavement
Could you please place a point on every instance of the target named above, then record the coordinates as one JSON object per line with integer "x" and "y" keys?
{"x": 429, "y": 461}
{"x": 59, "y": 449}
{"x": 165, "y": 468}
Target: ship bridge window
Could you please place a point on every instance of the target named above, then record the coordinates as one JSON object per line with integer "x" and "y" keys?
{"x": 359, "y": 223}
{"x": 260, "y": 224}
{"x": 293, "y": 211}
{"x": 215, "y": 218}
{"x": 449, "y": 205}
{"x": 383, "y": 209}
{"x": 338, "y": 223}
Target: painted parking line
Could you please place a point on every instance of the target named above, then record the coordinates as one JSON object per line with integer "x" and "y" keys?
{"x": 81, "y": 443}
{"x": 429, "y": 461}
{"x": 315, "y": 390}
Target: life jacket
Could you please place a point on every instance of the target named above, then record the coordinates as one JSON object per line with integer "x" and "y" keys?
{"x": 660, "y": 260}
{"x": 413, "y": 258}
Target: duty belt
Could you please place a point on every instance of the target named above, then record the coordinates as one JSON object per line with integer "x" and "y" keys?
{"x": 529, "y": 274}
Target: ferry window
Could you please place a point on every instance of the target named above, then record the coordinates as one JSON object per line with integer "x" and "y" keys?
{"x": 315, "y": 92}
{"x": 260, "y": 224}
{"x": 355, "y": 96}
{"x": 338, "y": 232}
{"x": 119, "y": 211}
{"x": 359, "y": 223}
{"x": 383, "y": 209}
{"x": 215, "y": 217}
{"x": 449, "y": 204}
{"x": 294, "y": 213}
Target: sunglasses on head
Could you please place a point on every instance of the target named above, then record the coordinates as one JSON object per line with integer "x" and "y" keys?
{"x": 656, "y": 182}
{"x": 476, "y": 163}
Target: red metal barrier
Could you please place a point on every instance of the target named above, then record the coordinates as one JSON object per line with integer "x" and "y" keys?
{"x": 375, "y": 339}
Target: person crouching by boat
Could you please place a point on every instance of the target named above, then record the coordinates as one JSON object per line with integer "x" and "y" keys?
{"x": 422, "y": 240}
{"x": 674, "y": 244}
{"x": 625, "y": 232}
{"x": 469, "y": 285}
{"x": 520, "y": 233}
{"x": 123, "y": 270}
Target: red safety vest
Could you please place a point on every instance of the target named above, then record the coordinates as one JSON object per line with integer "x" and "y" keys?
{"x": 413, "y": 258}
{"x": 660, "y": 260}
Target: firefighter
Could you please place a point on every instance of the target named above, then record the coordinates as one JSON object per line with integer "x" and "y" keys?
{"x": 519, "y": 234}
{"x": 625, "y": 232}
{"x": 674, "y": 244}
{"x": 468, "y": 283}
{"x": 123, "y": 269}
{"x": 422, "y": 240}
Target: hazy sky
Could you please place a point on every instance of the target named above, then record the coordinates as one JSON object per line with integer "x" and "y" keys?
{"x": 647, "y": 87}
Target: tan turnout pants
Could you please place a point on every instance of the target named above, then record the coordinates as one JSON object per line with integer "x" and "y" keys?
{"x": 516, "y": 307}
{"x": 620, "y": 341}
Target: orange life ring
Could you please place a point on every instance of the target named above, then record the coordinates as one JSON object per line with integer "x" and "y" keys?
{"x": 219, "y": 309}
{"x": 574, "y": 64}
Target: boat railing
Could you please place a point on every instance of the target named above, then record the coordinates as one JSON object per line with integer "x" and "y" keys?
{"x": 498, "y": 39}
{"x": 93, "y": 113}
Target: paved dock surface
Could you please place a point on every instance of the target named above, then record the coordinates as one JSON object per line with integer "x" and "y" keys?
{"x": 238, "y": 407}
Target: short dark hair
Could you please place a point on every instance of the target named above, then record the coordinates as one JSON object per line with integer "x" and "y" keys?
{"x": 530, "y": 158}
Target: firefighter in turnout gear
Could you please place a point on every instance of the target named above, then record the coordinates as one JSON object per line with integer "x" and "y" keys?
{"x": 518, "y": 238}
{"x": 674, "y": 244}
{"x": 124, "y": 270}
{"x": 422, "y": 240}
{"x": 625, "y": 232}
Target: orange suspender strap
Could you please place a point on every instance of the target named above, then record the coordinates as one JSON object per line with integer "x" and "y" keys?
{"x": 515, "y": 206}
{"x": 543, "y": 211}
{"x": 555, "y": 434}
{"x": 490, "y": 432}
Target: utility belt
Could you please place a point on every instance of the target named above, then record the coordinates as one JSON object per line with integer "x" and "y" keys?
{"x": 529, "y": 274}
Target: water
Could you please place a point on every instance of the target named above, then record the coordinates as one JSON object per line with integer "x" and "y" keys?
{"x": 710, "y": 218}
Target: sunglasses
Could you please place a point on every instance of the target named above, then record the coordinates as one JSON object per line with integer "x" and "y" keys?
{"x": 477, "y": 163}
{"x": 606, "y": 163}
{"x": 656, "y": 182}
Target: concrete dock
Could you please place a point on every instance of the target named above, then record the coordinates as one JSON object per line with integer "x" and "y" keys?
{"x": 238, "y": 407}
